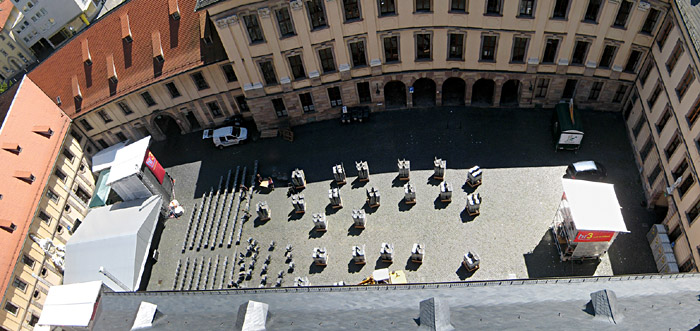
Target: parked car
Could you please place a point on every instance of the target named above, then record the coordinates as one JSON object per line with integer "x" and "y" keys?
{"x": 587, "y": 170}
{"x": 226, "y": 136}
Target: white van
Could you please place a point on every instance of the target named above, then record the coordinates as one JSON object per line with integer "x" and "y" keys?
{"x": 226, "y": 136}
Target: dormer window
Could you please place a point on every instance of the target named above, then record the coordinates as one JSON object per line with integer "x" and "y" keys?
{"x": 8, "y": 226}
{"x": 174, "y": 9}
{"x": 126, "y": 28}
{"x": 160, "y": 58}
{"x": 12, "y": 148}
{"x": 87, "y": 59}
{"x": 157, "y": 48}
{"x": 25, "y": 176}
{"x": 43, "y": 130}
{"x": 111, "y": 70}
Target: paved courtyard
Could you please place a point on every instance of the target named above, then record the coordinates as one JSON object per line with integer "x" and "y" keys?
{"x": 521, "y": 192}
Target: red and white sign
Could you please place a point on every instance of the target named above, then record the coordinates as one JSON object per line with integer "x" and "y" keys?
{"x": 594, "y": 236}
{"x": 155, "y": 166}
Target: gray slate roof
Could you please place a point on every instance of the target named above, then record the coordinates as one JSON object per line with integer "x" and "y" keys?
{"x": 201, "y": 4}
{"x": 690, "y": 16}
{"x": 651, "y": 302}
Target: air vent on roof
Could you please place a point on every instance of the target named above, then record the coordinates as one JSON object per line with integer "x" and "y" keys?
{"x": 58, "y": 101}
{"x": 12, "y": 147}
{"x": 174, "y": 9}
{"x": 434, "y": 315}
{"x": 605, "y": 306}
{"x": 8, "y": 226}
{"x": 252, "y": 315}
{"x": 25, "y": 176}
{"x": 43, "y": 130}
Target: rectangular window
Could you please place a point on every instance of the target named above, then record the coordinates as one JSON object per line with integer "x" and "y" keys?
{"x": 606, "y": 59}
{"x": 646, "y": 149}
{"x": 52, "y": 196}
{"x": 391, "y": 49}
{"x": 628, "y": 110}
{"x": 645, "y": 72}
{"x": 335, "y": 97}
{"x": 86, "y": 125}
{"x": 423, "y": 5}
{"x": 541, "y": 87}
{"x": 680, "y": 169}
{"x": 11, "y": 308}
{"x": 692, "y": 215}
{"x": 456, "y": 46}
{"x": 254, "y": 31}
{"x": 650, "y": 22}
{"x": 68, "y": 155}
{"x": 82, "y": 194}
{"x": 77, "y": 136}
{"x": 654, "y": 174}
{"x": 686, "y": 184}
{"x": 622, "y": 14}
{"x": 102, "y": 143}
{"x": 327, "y": 62}
{"x": 527, "y": 8}
{"x": 28, "y": 261}
{"x": 268, "y": 72}
{"x": 214, "y": 108}
{"x": 683, "y": 86}
{"x": 229, "y": 73}
{"x": 104, "y": 116}
{"x": 519, "y": 48}
{"x": 351, "y": 8}
{"x": 242, "y": 104}
{"x": 280, "y": 109}
{"x": 423, "y": 46}
{"x": 569, "y": 89}
{"x": 592, "y": 10}
{"x": 33, "y": 319}
{"x": 20, "y": 284}
{"x": 663, "y": 120}
{"x": 199, "y": 81}
{"x": 595, "y": 91}
{"x": 363, "y": 92}
{"x": 386, "y": 7}
{"x": 357, "y": 51}
{"x": 620, "y": 93}
{"x": 44, "y": 217}
{"x": 297, "y": 67}
{"x": 580, "y": 51}
{"x": 125, "y": 108}
{"x": 493, "y": 7}
{"x": 654, "y": 95}
{"x": 663, "y": 34}
{"x": 307, "y": 102}
{"x": 488, "y": 48}
{"x": 638, "y": 126}
{"x": 458, "y": 6}
{"x": 148, "y": 99}
{"x": 632, "y": 61}
{"x": 121, "y": 136}
{"x": 172, "y": 89}
{"x": 61, "y": 175}
{"x": 672, "y": 146}
{"x": 284, "y": 21}
{"x": 550, "y": 50}
{"x": 675, "y": 55}
{"x": 317, "y": 15}
{"x": 561, "y": 7}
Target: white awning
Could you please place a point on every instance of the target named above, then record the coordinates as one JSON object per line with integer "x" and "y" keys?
{"x": 594, "y": 206}
{"x": 128, "y": 160}
{"x": 70, "y": 305}
{"x": 116, "y": 238}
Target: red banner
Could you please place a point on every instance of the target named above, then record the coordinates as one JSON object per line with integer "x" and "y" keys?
{"x": 155, "y": 166}
{"x": 594, "y": 236}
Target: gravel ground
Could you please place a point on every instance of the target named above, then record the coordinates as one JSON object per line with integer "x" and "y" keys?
{"x": 521, "y": 191}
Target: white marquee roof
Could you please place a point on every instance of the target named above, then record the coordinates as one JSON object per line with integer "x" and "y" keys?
{"x": 70, "y": 305}
{"x": 594, "y": 206}
{"x": 128, "y": 160}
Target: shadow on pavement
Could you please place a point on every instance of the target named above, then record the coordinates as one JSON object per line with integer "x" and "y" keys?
{"x": 544, "y": 262}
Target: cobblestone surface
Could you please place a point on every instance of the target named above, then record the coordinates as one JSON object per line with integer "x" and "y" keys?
{"x": 521, "y": 190}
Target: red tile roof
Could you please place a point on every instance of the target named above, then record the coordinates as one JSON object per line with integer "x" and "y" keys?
{"x": 5, "y": 10}
{"x": 20, "y": 198}
{"x": 135, "y": 65}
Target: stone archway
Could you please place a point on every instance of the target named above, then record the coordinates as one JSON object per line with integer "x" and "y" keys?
{"x": 167, "y": 125}
{"x": 482, "y": 92}
{"x": 453, "y": 90}
{"x": 510, "y": 93}
{"x": 395, "y": 95}
{"x": 424, "y": 93}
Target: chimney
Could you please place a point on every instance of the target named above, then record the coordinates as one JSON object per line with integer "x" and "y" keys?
{"x": 87, "y": 59}
{"x": 111, "y": 70}
{"x": 157, "y": 48}
{"x": 126, "y": 29}
{"x": 174, "y": 9}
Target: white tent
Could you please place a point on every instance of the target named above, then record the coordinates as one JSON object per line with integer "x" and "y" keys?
{"x": 70, "y": 305}
{"x": 104, "y": 158}
{"x": 116, "y": 238}
{"x": 126, "y": 165}
{"x": 594, "y": 206}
